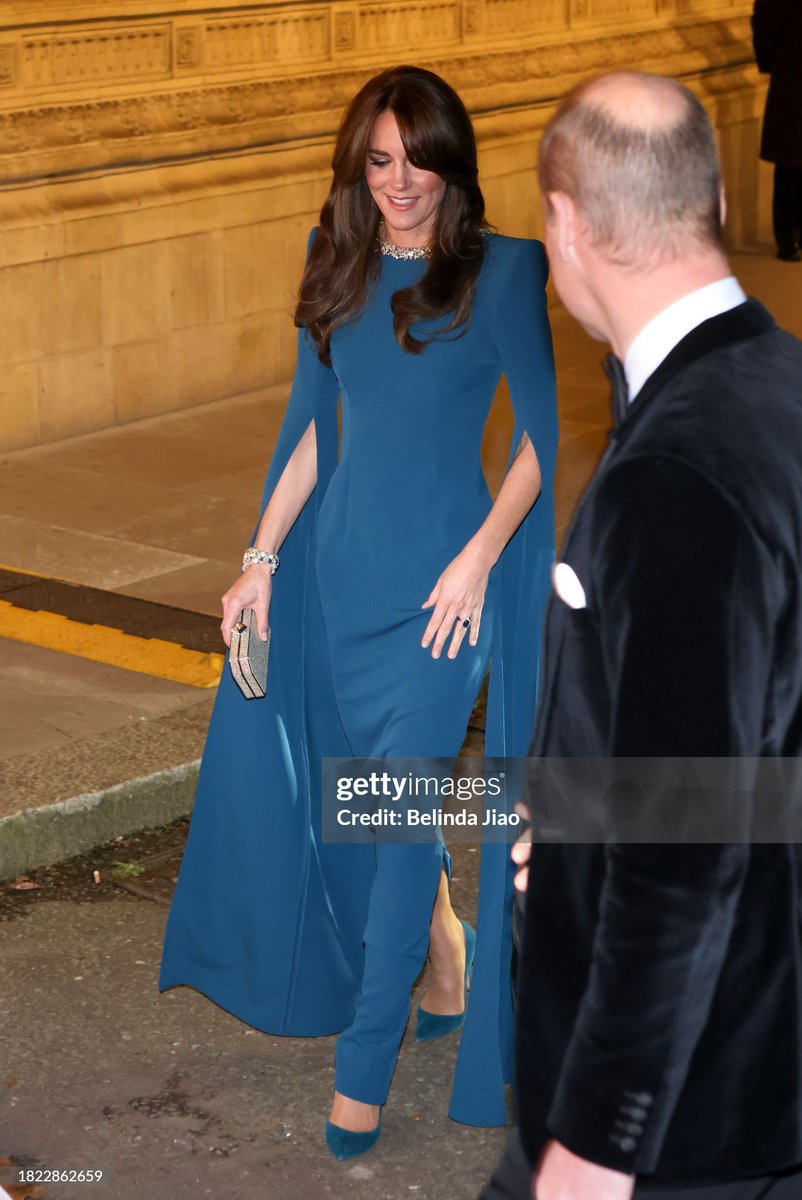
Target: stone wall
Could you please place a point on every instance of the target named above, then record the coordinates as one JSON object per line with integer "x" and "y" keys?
{"x": 159, "y": 172}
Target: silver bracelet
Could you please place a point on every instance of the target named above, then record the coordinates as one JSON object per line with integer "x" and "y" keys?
{"x": 252, "y": 555}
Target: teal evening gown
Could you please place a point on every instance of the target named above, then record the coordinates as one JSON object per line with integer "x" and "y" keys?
{"x": 293, "y": 934}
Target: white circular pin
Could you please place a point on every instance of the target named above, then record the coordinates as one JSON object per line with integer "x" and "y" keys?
{"x": 565, "y": 582}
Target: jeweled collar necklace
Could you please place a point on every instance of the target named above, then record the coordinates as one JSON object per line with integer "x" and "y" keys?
{"x": 408, "y": 252}
{"x": 403, "y": 252}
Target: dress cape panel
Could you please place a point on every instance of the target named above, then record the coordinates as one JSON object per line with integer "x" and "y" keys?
{"x": 485, "y": 1059}
{"x": 266, "y": 919}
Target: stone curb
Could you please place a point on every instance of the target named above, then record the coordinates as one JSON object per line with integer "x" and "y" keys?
{"x": 39, "y": 836}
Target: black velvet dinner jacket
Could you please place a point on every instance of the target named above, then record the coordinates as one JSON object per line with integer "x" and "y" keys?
{"x": 660, "y": 986}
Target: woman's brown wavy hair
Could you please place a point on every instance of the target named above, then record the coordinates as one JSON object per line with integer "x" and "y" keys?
{"x": 343, "y": 263}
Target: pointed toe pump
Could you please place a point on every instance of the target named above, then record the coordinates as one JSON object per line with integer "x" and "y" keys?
{"x": 345, "y": 1143}
{"x": 435, "y": 1025}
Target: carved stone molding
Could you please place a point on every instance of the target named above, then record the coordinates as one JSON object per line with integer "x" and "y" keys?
{"x": 175, "y": 117}
{"x": 473, "y": 18}
{"x": 115, "y": 56}
{"x": 79, "y": 55}
{"x": 345, "y": 22}
{"x": 8, "y": 66}
{"x": 188, "y": 48}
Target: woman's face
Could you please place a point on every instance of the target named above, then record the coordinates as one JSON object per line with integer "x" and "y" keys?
{"x": 408, "y": 198}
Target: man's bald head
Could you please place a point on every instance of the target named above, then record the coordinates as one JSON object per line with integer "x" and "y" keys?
{"x": 637, "y": 155}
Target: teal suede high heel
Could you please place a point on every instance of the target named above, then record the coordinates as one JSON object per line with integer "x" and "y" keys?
{"x": 345, "y": 1143}
{"x": 434, "y": 1025}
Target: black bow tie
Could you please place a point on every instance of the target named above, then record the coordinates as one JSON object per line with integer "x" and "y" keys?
{"x": 619, "y": 400}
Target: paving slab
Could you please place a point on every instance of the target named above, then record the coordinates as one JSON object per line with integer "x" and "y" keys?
{"x": 108, "y": 769}
{"x": 56, "y": 550}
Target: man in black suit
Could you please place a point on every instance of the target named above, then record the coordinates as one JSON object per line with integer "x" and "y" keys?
{"x": 659, "y": 1041}
{"x": 777, "y": 36}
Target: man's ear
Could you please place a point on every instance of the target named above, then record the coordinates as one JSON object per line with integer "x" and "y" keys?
{"x": 564, "y": 219}
{"x": 722, "y": 207}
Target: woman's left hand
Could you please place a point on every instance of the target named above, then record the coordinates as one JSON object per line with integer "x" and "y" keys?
{"x": 458, "y": 596}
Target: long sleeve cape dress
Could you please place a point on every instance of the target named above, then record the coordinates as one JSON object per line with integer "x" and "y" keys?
{"x": 268, "y": 918}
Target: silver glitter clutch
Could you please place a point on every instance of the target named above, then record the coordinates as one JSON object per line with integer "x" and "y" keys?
{"x": 248, "y": 656}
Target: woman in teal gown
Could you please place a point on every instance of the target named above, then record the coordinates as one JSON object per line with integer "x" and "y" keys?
{"x": 400, "y": 581}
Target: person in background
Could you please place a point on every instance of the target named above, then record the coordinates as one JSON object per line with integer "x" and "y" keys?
{"x": 659, "y": 1017}
{"x": 777, "y": 36}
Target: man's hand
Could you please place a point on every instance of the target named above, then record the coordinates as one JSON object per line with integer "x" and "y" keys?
{"x": 521, "y": 851}
{"x": 561, "y": 1175}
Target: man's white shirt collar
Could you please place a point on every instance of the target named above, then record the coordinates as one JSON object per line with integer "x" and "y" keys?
{"x": 656, "y": 340}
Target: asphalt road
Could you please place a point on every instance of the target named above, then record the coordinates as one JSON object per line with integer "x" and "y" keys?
{"x": 173, "y": 1098}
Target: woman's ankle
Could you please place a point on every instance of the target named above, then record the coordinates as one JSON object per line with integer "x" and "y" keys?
{"x": 446, "y": 941}
{"x": 354, "y": 1115}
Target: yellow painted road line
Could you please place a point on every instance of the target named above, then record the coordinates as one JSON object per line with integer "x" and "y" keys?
{"x": 25, "y": 571}
{"x": 148, "y": 656}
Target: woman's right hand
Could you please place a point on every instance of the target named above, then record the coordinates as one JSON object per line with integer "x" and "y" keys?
{"x": 253, "y": 589}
